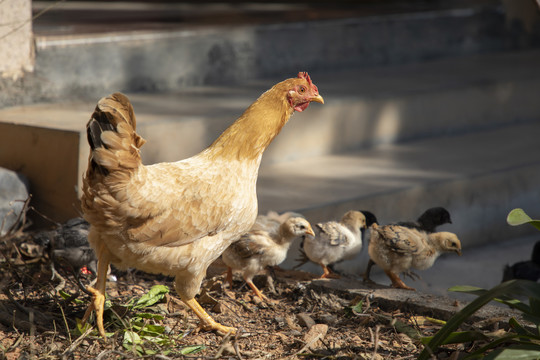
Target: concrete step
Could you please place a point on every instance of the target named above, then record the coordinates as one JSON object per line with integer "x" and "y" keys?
{"x": 88, "y": 51}
{"x": 479, "y": 177}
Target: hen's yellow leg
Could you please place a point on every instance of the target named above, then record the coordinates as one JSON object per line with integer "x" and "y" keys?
{"x": 98, "y": 295}
{"x": 207, "y": 323}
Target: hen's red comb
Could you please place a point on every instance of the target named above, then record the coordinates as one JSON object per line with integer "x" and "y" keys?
{"x": 304, "y": 75}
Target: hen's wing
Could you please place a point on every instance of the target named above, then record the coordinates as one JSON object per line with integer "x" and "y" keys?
{"x": 331, "y": 233}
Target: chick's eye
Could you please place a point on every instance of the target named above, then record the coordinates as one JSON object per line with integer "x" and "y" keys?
{"x": 302, "y": 89}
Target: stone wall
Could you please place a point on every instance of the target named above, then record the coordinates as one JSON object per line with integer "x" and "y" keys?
{"x": 16, "y": 43}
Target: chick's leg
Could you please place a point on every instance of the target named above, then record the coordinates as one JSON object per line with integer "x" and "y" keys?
{"x": 98, "y": 295}
{"x": 396, "y": 281}
{"x": 257, "y": 291}
{"x": 328, "y": 274}
{"x": 368, "y": 271}
{"x": 229, "y": 277}
{"x": 207, "y": 323}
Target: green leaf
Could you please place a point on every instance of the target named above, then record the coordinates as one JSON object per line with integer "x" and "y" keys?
{"x": 407, "y": 330}
{"x": 131, "y": 338}
{"x": 149, "y": 316}
{"x": 358, "y": 307}
{"x": 518, "y": 352}
{"x": 459, "y": 337}
{"x": 519, "y": 217}
{"x": 82, "y": 328}
{"x": 192, "y": 349}
{"x": 518, "y": 287}
{"x": 156, "y": 294}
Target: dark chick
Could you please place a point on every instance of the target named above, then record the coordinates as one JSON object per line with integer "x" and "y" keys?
{"x": 527, "y": 270}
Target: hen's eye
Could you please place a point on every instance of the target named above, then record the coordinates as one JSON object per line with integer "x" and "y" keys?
{"x": 302, "y": 89}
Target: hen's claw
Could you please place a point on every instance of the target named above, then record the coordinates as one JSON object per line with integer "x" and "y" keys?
{"x": 97, "y": 304}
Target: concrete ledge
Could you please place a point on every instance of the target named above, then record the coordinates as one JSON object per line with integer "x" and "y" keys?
{"x": 52, "y": 160}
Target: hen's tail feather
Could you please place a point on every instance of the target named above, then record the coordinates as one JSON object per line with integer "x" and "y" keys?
{"x": 111, "y": 135}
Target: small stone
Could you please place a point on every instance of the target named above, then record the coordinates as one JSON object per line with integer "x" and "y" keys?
{"x": 305, "y": 320}
{"x": 13, "y": 194}
{"x": 328, "y": 319}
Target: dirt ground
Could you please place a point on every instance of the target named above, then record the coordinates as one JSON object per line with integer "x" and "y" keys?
{"x": 39, "y": 318}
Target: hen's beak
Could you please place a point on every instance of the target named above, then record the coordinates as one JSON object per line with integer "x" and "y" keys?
{"x": 318, "y": 98}
{"x": 458, "y": 251}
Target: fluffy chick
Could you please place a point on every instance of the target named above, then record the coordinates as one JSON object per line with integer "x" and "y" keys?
{"x": 397, "y": 249}
{"x": 273, "y": 220}
{"x": 258, "y": 249}
{"x": 335, "y": 241}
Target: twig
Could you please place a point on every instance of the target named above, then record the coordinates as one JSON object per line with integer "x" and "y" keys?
{"x": 375, "y": 339}
{"x": 65, "y": 323}
{"x": 223, "y": 345}
{"x": 235, "y": 344}
{"x": 78, "y": 341}
{"x": 32, "y": 19}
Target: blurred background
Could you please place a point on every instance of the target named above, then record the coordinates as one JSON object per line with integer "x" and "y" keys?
{"x": 427, "y": 103}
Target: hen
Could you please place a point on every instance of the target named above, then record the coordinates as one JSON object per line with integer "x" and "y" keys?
{"x": 177, "y": 218}
{"x": 335, "y": 241}
{"x": 397, "y": 249}
{"x": 258, "y": 249}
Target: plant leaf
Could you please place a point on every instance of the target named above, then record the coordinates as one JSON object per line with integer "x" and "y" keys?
{"x": 459, "y": 337}
{"x": 519, "y": 287}
{"x": 516, "y": 352}
{"x": 192, "y": 349}
{"x": 519, "y": 217}
{"x": 358, "y": 307}
{"x": 154, "y": 295}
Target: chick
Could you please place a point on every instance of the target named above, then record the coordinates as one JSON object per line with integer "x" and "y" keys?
{"x": 528, "y": 270}
{"x": 258, "y": 249}
{"x": 397, "y": 249}
{"x": 272, "y": 221}
{"x": 335, "y": 241}
{"x": 428, "y": 222}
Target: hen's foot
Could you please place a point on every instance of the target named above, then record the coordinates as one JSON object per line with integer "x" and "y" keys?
{"x": 207, "y": 323}
{"x": 98, "y": 304}
{"x": 218, "y": 328}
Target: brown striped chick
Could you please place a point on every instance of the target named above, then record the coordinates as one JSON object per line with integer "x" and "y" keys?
{"x": 336, "y": 241}
{"x": 258, "y": 249}
{"x": 397, "y": 249}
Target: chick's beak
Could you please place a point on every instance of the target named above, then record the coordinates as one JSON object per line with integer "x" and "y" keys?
{"x": 458, "y": 251}
{"x": 309, "y": 231}
{"x": 317, "y": 98}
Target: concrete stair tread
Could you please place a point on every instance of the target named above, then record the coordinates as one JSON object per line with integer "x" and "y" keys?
{"x": 325, "y": 180}
{"x": 387, "y": 103}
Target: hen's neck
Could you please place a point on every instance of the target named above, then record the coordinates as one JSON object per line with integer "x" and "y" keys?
{"x": 248, "y": 137}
